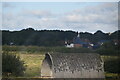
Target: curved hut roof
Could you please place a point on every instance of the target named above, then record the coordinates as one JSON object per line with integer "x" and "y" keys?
{"x": 73, "y": 62}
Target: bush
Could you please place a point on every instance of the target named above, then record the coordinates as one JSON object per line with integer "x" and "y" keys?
{"x": 12, "y": 65}
{"x": 112, "y": 66}
{"x": 109, "y": 48}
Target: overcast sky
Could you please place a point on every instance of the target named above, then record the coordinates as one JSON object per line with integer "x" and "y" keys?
{"x": 76, "y": 16}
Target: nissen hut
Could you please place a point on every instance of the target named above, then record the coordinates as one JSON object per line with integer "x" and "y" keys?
{"x": 72, "y": 65}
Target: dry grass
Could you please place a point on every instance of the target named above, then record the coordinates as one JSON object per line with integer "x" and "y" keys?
{"x": 33, "y": 63}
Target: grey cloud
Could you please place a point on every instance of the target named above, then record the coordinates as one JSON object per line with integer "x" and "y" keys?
{"x": 37, "y": 13}
{"x": 105, "y": 13}
{"x": 100, "y": 17}
{"x": 19, "y": 21}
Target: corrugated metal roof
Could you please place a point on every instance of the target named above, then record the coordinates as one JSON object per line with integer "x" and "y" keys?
{"x": 73, "y": 62}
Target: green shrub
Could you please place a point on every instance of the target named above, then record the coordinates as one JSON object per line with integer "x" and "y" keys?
{"x": 112, "y": 66}
{"x": 109, "y": 48}
{"x": 12, "y": 65}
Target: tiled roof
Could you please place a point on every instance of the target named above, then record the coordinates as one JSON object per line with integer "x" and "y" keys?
{"x": 77, "y": 40}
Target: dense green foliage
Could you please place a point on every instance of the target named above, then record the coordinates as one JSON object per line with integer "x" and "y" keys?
{"x": 109, "y": 48}
{"x": 12, "y": 65}
{"x": 112, "y": 66}
{"x": 30, "y": 36}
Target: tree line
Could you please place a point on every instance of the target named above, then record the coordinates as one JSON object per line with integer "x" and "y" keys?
{"x": 33, "y": 37}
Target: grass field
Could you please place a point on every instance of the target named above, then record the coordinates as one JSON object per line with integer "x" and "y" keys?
{"x": 33, "y": 64}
